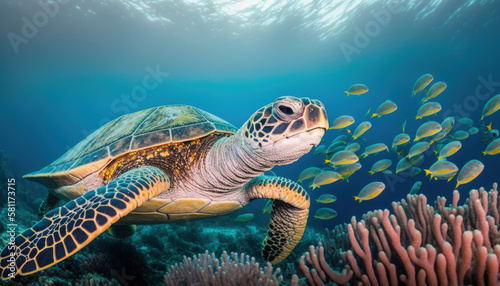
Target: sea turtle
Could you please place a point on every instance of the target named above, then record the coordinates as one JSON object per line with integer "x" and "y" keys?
{"x": 171, "y": 163}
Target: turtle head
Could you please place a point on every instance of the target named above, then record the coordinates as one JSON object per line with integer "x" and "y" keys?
{"x": 283, "y": 131}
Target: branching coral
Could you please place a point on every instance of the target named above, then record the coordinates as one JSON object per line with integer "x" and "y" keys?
{"x": 454, "y": 245}
{"x": 206, "y": 269}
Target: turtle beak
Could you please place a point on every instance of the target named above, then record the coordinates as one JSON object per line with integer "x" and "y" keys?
{"x": 315, "y": 115}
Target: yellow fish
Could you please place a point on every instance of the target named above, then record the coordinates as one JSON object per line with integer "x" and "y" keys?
{"x": 362, "y": 128}
{"x": 357, "y": 89}
{"x": 380, "y": 166}
{"x": 353, "y": 147}
{"x": 415, "y": 171}
{"x": 370, "y": 191}
{"x": 447, "y": 124}
{"x": 340, "y": 138}
{"x": 400, "y": 139}
{"x": 325, "y": 178}
{"x": 439, "y": 136}
{"x": 320, "y": 150}
{"x": 442, "y": 170}
{"x": 491, "y": 106}
{"x": 417, "y": 149}
{"x": 493, "y": 148}
{"x": 342, "y": 158}
{"x": 466, "y": 121}
{"x": 449, "y": 149}
{"x": 406, "y": 163}
{"x": 309, "y": 173}
{"x": 434, "y": 91}
{"x": 268, "y": 207}
{"x": 427, "y": 129}
{"x": 325, "y": 213}
{"x": 342, "y": 122}
{"x": 428, "y": 109}
{"x": 326, "y": 199}
{"x": 346, "y": 171}
{"x": 469, "y": 172}
{"x": 421, "y": 83}
{"x": 460, "y": 135}
{"x": 385, "y": 108}
{"x": 416, "y": 188}
{"x": 374, "y": 148}
{"x": 244, "y": 217}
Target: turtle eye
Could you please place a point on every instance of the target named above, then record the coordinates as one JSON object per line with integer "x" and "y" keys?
{"x": 288, "y": 108}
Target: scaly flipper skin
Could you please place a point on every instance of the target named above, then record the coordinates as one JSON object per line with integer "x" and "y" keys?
{"x": 288, "y": 217}
{"x": 65, "y": 230}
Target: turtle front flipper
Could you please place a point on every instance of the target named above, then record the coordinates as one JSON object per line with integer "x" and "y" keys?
{"x": 67, "y": 229}
{"x": 288, "y": 217}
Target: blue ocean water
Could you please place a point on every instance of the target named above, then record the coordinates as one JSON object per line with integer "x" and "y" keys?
{"x": 68, "y": 67}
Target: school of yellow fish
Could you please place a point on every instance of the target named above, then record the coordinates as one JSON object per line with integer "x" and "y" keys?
{"x": 343, "y": 156}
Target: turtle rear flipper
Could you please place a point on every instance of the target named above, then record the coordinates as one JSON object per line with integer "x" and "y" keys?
{"x": 65, "y": 230}
{"x": 288, "y": 217}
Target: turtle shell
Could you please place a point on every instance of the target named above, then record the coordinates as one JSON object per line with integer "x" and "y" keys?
{"x": 131, "y": 132}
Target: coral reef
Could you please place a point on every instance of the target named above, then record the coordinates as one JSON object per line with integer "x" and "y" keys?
{"x": 206, "y": 269}
{"x": 418, "y": 245}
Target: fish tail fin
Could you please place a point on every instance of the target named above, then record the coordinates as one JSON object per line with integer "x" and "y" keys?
{"x": 374, "y": 114}
{"x": 327, "y": 161}
{"x": 330, "y": 128}
{"x": 489, "y": 126}
{"x": 432, "y": 141}
{"x": 458, "y": 184}
{"x": 400, "y": 153}
{"x": 346, "y": 92}
{"x": 484, "y": 153}
{"x": 440, "y": 158}
{"x": 348, "y": 131}
{"x": 427, "y": 172}
{"x": 371, "y": 172}
{"x": 299, "y": 181}
{"x": 357, "y": 198}
{"x": 435, "y": 152}
{"x": 451, "y": 178}
{"x": 317, "y": 200}
{"x": 416, "y": 117}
